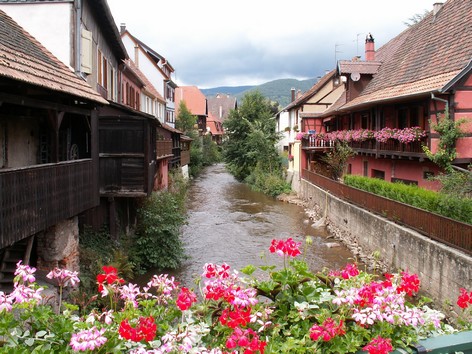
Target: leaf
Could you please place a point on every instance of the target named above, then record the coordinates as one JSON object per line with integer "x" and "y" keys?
{"x": 41, "y": 334}
{"x": 29, "y": 342}
{"x": 249, "y": 269}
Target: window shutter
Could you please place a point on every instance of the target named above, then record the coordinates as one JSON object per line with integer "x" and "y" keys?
{"x": 86, "y": 54}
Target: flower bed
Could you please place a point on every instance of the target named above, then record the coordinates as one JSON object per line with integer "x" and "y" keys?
{"x": 262, "y": 310}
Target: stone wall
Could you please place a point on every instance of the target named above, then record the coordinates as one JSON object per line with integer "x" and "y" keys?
{"x": 442, "y": 270}
{"x": 59, "y": 246}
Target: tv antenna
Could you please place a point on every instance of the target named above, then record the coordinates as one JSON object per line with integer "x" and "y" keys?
{"x": 336, "y": 51}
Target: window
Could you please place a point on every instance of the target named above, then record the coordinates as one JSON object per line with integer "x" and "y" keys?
{"x": 410, "y": 117}
{"x": 366, "y": 168}
{"x": 102, "y": 65}
{"x": 405, "y": 181}
{"x": 378, "y": 174}
{"x": 365, "y": 121}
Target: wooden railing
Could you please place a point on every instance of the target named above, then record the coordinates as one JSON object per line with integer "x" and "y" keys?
{"x": 184, "y": 157}
{"x": 391, "y": 146}
{"x": 35, "y": 198}
{"x": 451, "y": 232}
{"x": 163, "y": 148}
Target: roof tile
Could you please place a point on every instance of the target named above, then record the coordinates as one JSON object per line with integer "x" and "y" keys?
{"x": 23, "y": 58}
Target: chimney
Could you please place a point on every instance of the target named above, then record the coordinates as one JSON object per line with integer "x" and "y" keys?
{"x": 436, "y": 7}
{"x": 136, "y": 55}
{"x": 369, "y": 48}
{"x": 221, "y": 112}
{"x": 122, "y": 28}
{"x": 292, "y": 90}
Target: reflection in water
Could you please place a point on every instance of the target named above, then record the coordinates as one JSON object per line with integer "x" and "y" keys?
{"x": 228, "y": 222}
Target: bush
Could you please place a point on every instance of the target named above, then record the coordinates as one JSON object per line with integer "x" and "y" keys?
{"x": 272, "y": 184}
{"x": 157, "y": 243}
{"x": 452, "y": 207}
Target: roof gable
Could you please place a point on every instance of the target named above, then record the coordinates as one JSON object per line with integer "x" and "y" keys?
{"x": 24, "y": 59}
{"x": 426, "y": 56}
{"x": 194, "y": 99}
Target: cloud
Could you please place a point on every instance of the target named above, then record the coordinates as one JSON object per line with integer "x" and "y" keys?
{"x": 213, "y": 43}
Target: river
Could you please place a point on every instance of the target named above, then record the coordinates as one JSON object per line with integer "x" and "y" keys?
{"x": 229, "y": 222}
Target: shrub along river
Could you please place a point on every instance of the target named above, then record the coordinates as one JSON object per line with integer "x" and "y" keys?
{"x": 228, "y": 222}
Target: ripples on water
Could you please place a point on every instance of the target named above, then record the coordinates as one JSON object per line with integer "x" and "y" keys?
{"x": 228, "y": 222}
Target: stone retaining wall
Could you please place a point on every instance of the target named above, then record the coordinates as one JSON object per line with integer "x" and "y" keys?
{"x": 441, "y": 269}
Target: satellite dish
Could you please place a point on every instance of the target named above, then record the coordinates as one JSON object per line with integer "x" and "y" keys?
{"x": 355, "y": 76}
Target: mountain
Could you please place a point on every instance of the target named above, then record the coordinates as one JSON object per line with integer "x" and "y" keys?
{"x": 230, "y": 90}
{"x": 276, "y": 90}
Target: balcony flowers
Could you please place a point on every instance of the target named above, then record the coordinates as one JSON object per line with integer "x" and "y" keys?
{"x": 404, "y": 136}
{"x": 259, "y": 310}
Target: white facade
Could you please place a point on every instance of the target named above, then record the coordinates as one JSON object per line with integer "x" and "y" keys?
{"x": 47, "y": 24}
{"x": 152, "y": 73}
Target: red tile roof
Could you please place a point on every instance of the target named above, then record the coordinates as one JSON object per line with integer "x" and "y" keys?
{"x": 148, "y": 86}
{"x": 194, "y": 99}
{"x": 361, "y": 67}
{"x": 214, "y": 124}
{"x": 425, "y": 57}
{"x": 221, "y": 105}
{"x": 23, "y": 58}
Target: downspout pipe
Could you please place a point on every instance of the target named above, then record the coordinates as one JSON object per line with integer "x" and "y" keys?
{"x": 78, "y": 37}
{"x": 441, "y": 100}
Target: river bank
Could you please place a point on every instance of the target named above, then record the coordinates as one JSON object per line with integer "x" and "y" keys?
{"x": 318, "y": 218}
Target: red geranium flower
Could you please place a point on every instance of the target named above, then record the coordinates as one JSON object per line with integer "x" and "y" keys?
{"x": 185, "y": 299}
{"x": 110, "y": 276}
{"x": 464, "y": 299}
{"x": 288, "y": 247}
{"x": 144, "y": 330}
{"x": 379, "y": 345}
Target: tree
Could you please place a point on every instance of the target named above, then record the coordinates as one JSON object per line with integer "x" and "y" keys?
{"x": 337, "y": 159}
{"x": 251, "y": 137}
{"x": 185, "y": 119}
{"x": 416, "y": 18}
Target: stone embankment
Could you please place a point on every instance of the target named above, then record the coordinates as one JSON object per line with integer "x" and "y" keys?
{"x": 318, "y": 218}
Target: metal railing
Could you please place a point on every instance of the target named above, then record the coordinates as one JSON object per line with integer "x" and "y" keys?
{"x": 448, "y": 231}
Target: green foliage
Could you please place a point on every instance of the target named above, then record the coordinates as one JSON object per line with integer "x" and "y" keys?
{"x": 455, "y": 208}
{"x": 456, "y": 183}
{"x": 185, "y": 119}
{"x": 203, "y": 152}
{"x": 251, "y": 139}
{"x": 157, "y": 243}
{"x": 449, "y": 131}
{"x": 337, "y": 158}
{"x": 270, "y": 183}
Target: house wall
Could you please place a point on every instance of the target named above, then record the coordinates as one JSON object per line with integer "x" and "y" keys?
{"x": 406, "y": 170}
{"x": 99, "y": 43}
{"x": 463, "y": 110}
{"x": 442, "y": 270}
{"x": 149, "y": 69}
{"x": 21, "y": 142}
{"x": 51, "y": 25}
{"x": 282, "y": 122}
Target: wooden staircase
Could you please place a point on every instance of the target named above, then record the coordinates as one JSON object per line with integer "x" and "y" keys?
{"x": 9, "y": 257}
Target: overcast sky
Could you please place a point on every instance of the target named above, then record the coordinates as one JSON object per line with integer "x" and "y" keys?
{"x": 214, "y": 43}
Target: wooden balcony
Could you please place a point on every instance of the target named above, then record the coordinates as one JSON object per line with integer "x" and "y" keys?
{"x": 371, "y": 147}
{"x": 184, "y": 157}
{"x": 37, "y": 197}
{"x": 163, "y": 148}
